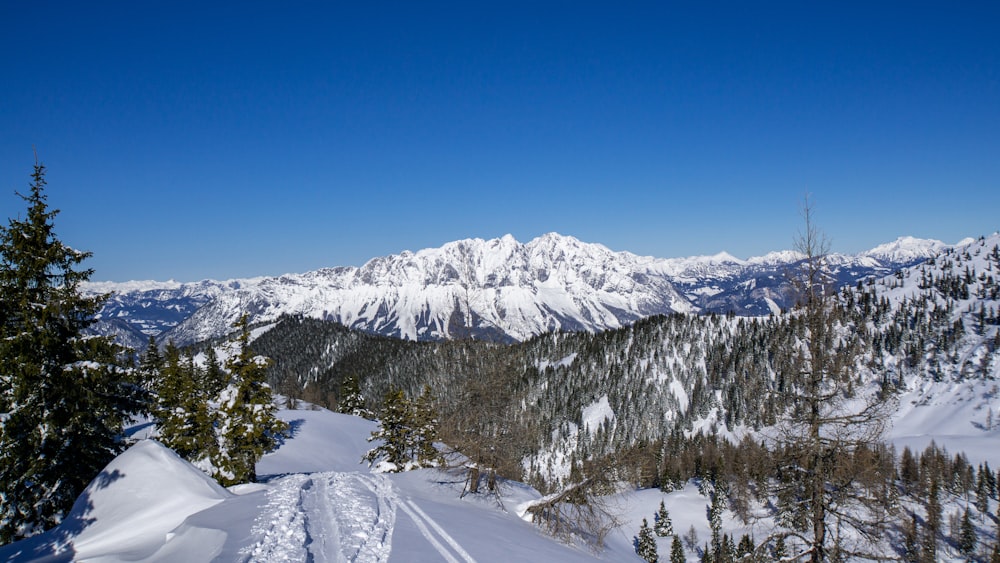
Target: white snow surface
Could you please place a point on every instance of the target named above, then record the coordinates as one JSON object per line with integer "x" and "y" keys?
{"x": 596, "y": 413}
{"x": 316, "y": 502}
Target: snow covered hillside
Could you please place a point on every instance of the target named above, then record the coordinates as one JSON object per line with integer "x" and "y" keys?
{"x": 316, "y": 503}
{"x": 498, "y": 289}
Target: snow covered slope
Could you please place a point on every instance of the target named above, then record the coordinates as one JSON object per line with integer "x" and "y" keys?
{"x": 318, "y": 504}
{"x": 498, "y": 289}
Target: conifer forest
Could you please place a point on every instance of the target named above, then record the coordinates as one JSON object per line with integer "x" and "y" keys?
{"x": 783, "y": 417}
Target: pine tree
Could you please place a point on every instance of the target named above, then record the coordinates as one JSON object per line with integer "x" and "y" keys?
{"x": 967, "y": 537}
{"x": 780, "y": 551}
{"x": 928, "y": 546}
{"x": 745, "y": 547}
{"x": 352, "y": 401}
{"x": 663, "y": 526}
{"x": 67, "y": 395}
{"x": 213, "y": 378}
{"x": 425, "y": 430}
{"x": 677, "y": 551}
{"x": 185, "y": 423}
{"x": 715, "y": 522}
{"x": 150, "y": 364}
{"x": 246, "y": 423}
{"x": 395, "y": 433}
{"x": 645, "y": 544}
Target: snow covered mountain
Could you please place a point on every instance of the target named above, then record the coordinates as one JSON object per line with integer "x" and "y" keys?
{"x": 499, "y": 289}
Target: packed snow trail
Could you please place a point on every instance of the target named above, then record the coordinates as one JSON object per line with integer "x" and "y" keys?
{"x": 328, "y": 517}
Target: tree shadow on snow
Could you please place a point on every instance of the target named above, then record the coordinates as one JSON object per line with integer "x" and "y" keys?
{"x": 56, "y": 545}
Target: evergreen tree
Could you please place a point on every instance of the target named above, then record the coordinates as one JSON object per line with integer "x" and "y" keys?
{"x": 645, "y": 544}
{"x": 715, "y": 521}
{"x": 745, "y": 547}
{"x": 395, "y": 433}
{"x": 663, "y": 526}
{"x": 677, "y": 551}
{"x": 213, "y": 378}
{"x": 967, "y": 536}
{"x": 150, "y": 363}
{"x": 67, "y": 395}
{"x": 932, "y": 526}
{"x": 425, "y": 430}
{"x": 780, "y": 551}
{"x": 352, "y": 401}
{"x": 246, "y": 423}
{"x": 185, "y": 423}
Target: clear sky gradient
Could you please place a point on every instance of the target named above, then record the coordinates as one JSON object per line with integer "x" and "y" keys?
{"x": 192, "y": 140}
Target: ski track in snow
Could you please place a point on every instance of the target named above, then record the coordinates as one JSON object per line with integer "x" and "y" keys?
{"x": 326, "y": 518}
{"x": 421, "y": 519}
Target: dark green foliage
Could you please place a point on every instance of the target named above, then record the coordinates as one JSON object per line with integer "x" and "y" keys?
{"x": 67, "y": 395}
{"x": 246, "y": 423}
{"x": 967, "y": 536}
{"x": 677, "y": 551}
{"x": 395, "y": 433}
{"x": 407, "y": 432}
{"x": 351, "y": 400}
{"x": 662, "y": 524}
{"x": 780, "y": 551}
{"x": 185, "y": 423}
{"x": 645, "y": 544}
{"x": 932, "y": 524}
{"x": 425, "y": 430}
{"x": 745, "y": 548}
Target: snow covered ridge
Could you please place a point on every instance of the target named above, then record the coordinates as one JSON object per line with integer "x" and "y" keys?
{"x": 499, "y": 289}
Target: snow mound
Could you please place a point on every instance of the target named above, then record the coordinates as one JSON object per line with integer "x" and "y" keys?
{"x": 134, "y": 503}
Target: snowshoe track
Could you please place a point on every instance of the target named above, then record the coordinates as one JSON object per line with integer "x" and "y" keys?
{"x": 326, "y": 517}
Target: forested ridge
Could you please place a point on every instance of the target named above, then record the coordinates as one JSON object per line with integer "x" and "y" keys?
{"x": 666, "y": 374}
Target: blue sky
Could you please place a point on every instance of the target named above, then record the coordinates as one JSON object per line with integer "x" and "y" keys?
{"x": 220, "y": 140}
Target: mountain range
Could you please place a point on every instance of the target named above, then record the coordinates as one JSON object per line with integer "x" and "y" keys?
{"x": 498, "y": 289}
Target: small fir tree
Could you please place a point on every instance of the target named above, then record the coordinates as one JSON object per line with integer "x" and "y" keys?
{"x": 663, "y": 526}
{"x": 715, "y": 520}
{"x": 745, "y": 548}
{"x": 780, "y": 551}
{"x": 246, "y": 423}
{"x": 967, "y": 536}
{"x": 677, "y": 551}
{"x": 645, "y": 544}
{"x": 352, "y": 401}
{"x": 395, "y": 434}
{"x": 425, "y": 430}
{"x": 185, "y": 424}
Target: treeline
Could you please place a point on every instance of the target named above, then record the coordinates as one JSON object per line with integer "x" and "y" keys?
{"x": 67, "y": 396}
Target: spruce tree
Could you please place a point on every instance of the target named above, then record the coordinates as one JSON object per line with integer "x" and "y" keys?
{"x": 645, "y": 544}
{"x": 150, "y": 363}
{"x": 663, "y": 526}
{"x": 395, "y": 433}
{"x": 715, "y": 521}
{"x": 352, "y": 401}
{"x": 67, "y": 395}
{"x": 967, "y": 536}
{"x": 425, "y": 430}
{"x": 677, "y": 551}
{"x": 246, "y": 423}
{"x": 185, "y": 423}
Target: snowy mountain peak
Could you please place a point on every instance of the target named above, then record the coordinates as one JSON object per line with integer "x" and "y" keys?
{"x": 498, "y": 289}
{"x": 906, "y": 249}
